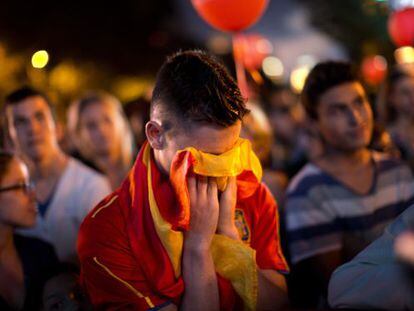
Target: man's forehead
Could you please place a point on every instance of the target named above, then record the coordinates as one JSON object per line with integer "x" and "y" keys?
{"x": 213, "y": 139}
{"x": 29, "y": 106}
{"x": 343, "y": 93}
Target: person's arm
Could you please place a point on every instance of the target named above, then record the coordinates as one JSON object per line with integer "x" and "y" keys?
{"x": 372, "y": 280}
{"x": 272, "y": 293}
{"x": 201, "y": 287}
{"x": 376, "y": 278}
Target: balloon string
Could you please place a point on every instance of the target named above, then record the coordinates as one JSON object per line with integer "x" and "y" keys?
{"x": 240, "y": 70}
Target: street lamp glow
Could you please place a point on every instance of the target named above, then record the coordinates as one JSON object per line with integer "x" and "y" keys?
{"x": 298, "y": 77}
{"x": 404, "y": 55}
{"x": 272, "y": 67}
{"x": 40, "y": 59}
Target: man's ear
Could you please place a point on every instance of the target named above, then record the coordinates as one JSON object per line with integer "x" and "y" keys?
{"x": 155, "y": 134}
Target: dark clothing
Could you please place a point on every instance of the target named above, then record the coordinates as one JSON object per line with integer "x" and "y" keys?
{"x": 39, "y": 263}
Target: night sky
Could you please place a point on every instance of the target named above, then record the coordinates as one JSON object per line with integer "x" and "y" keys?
{"x": 125, "y": 35}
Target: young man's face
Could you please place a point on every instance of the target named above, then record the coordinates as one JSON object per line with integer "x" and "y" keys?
{"x": 206, "y": 138}
{"x": 345, "y": 118}
{"x": 32, "y": 127}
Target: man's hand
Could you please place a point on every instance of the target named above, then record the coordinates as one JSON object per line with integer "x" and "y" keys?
{"x": 404, "y": 247}
{"x": 201, "y": 289}
{"x": 226, "y": 225}
{"x": 204, "y": 211}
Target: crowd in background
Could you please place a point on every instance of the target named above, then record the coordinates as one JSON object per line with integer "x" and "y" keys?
{"x": 339, "y": 166}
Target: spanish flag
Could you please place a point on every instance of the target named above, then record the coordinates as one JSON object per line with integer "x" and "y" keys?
{"x": 130, "y": 246}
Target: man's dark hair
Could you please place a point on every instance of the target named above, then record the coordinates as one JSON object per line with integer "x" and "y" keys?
{"x": 323, "y": 77}
{"x": 194, "y": 87}
{"x": 23, "y": 93}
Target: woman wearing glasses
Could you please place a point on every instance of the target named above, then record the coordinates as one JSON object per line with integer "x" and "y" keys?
{"x": 25, "y": 263}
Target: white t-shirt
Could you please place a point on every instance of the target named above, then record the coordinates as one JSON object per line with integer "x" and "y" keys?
{"x": 78, "y": 190}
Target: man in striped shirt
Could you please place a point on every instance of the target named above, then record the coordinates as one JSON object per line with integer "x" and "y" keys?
{"x": 340, "y": 203}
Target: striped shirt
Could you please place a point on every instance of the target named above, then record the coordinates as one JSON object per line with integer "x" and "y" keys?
{"x": 323, "y": 214}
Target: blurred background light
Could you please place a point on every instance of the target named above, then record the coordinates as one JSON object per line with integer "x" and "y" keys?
{"x": 404, "y": 55}
{"x": 40, "y": 59}
{"x": 298, "y": 77}
{"x": 272, "y": 67}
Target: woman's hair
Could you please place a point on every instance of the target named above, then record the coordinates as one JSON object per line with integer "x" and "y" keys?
{"x": 385, "y": 110}
{"x": 5, "y": 159}
{"x": 102, "y": 98}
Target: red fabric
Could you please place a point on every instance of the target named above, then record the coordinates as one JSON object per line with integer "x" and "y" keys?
{"x": 122, "y": 237}
{"x": 180, "y": 167}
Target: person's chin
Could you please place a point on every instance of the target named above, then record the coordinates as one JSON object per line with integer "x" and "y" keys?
{"x": 357, "y": 141}
{"x": 355, "y": 146}
{"x": 26, "y": 223}
{"x": 103, "y": 152}
{"x": 350, "y": 145}
{"x": 36, "y": 153}
{"x": 31, "y": 215}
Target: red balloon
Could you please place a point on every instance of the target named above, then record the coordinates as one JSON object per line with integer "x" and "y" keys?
{"x": 230, "y": 15}
{"x": 374, "y": 69}
{"x": 401, "y": 27}
{"x": 251, "y": 49}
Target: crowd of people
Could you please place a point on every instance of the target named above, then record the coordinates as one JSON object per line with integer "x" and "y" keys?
{"x": 162, "y": 204}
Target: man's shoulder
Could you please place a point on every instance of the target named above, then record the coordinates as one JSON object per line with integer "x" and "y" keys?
{"x": 107, "y": 211}
{"x": 310, "y": 176}
{"x": 103, "y": 223}
{"x": 85, "y": 183}
{"x": 80, "y": 171}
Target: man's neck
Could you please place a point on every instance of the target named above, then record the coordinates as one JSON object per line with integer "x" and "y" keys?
{"x": 158, "y": 161}
{"x": 108, "y": 163}
{"x": 337, "y": 160}
{"x": 6, "y": 241}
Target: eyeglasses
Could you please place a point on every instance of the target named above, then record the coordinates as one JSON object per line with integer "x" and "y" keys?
{"x": 26, "y": 187}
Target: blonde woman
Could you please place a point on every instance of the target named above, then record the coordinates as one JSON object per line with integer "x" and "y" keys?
{"x": 101, "y": 134}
